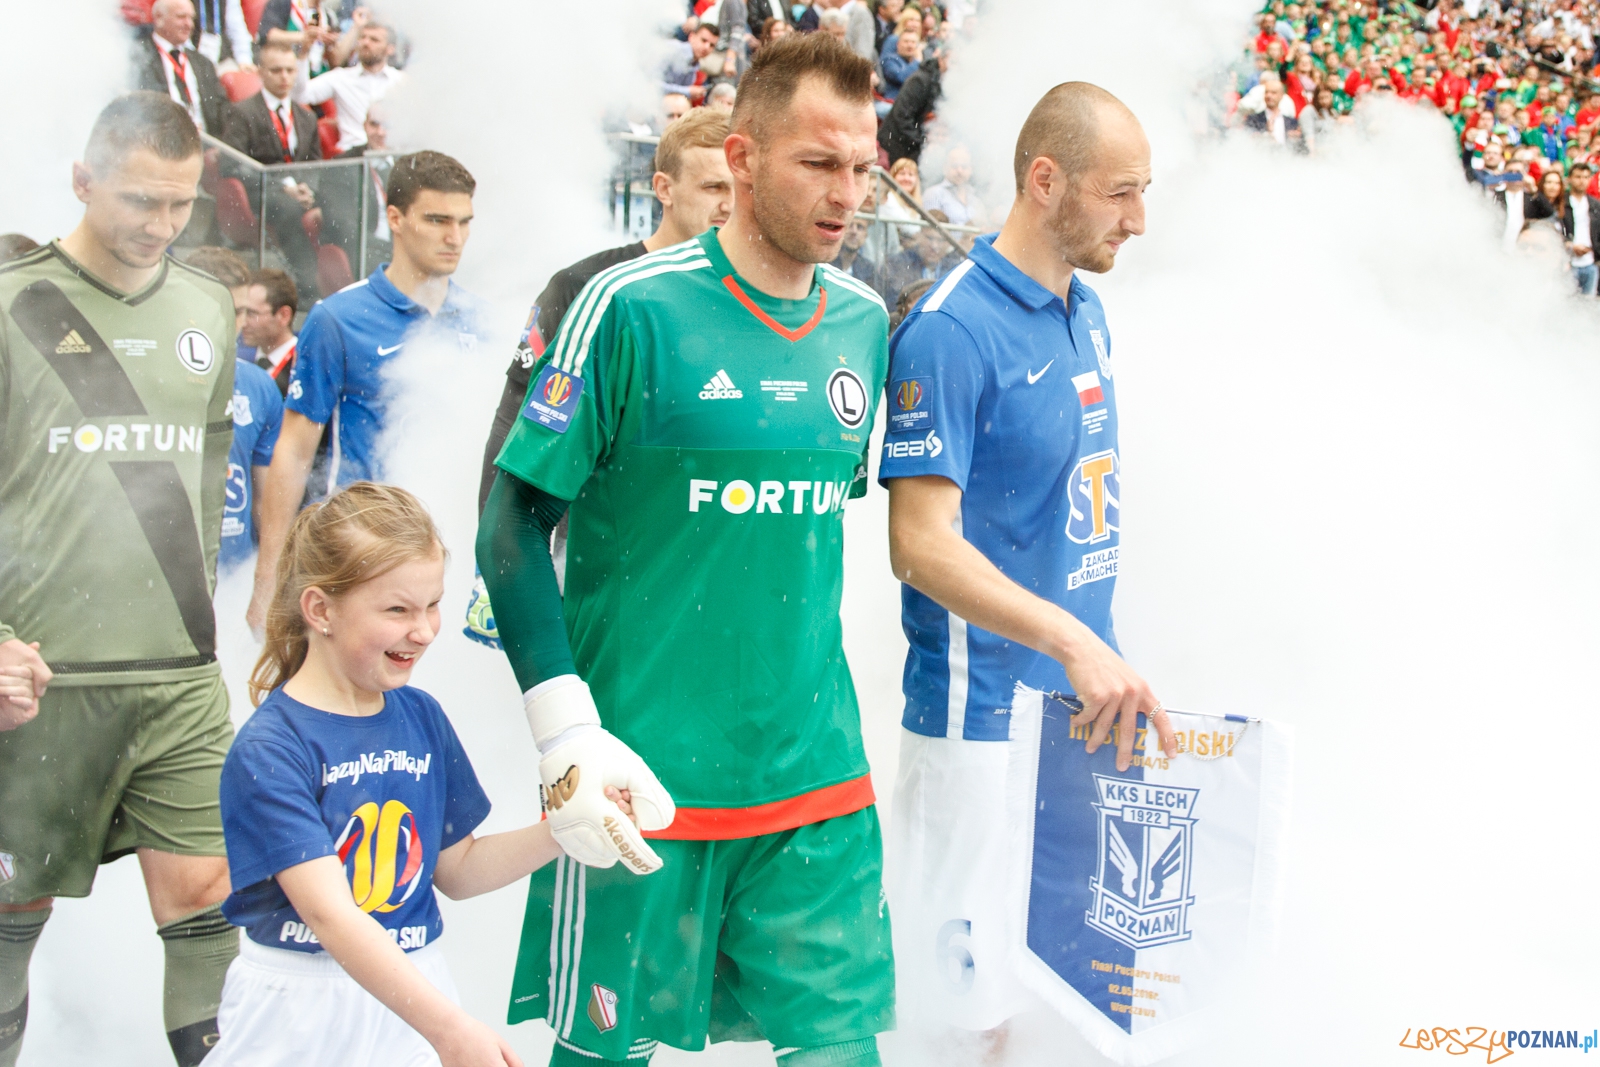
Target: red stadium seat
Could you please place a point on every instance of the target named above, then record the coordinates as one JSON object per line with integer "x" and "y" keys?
{"x": 328, "y": 131}
{"x": 333, "y": 269}
{"x": 137, "y": 12}
{"x": 252, "y": 14}
{"x": 240, "y": 84}
{"x": 237, "y": 221}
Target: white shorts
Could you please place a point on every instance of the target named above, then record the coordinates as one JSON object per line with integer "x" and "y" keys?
{"x": 296, "y": 1010}
{"x": 946, "y": 872}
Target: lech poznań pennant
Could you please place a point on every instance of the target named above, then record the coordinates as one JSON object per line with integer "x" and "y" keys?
{"x": 1139, "y": 897}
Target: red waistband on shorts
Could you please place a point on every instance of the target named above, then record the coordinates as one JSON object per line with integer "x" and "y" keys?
{"x": 727, "y": 824}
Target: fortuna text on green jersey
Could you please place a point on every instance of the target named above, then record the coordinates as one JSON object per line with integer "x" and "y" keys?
{"x": 115, "y": 423}
{"x": 708, "y": 436}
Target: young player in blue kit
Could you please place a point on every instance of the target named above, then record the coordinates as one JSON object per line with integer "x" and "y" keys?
{"x": 1002, "y": 466}
{"x": 345, "y": 799}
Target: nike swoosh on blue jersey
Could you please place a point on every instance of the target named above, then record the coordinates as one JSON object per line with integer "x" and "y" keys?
{"x": 385, "y": 351}
{"x": 1032, "y": 377}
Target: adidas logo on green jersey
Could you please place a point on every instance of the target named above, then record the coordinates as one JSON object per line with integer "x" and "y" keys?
{"x": 721, "y": 387}
{"x": 71, "y": 343}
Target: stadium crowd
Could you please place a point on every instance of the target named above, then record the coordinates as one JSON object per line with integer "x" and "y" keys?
{"x": 1516, "y": 81}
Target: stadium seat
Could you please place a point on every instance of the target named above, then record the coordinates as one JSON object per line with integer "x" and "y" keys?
{"x": 328, "y": 132}
{"x": 240, "y": 84}
{"x": 333, "y": 269}
{"x": 234, "y": 217}
{"x": 252, "y": 14}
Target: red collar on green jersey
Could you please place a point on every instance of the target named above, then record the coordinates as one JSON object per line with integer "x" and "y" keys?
{"x": 730, "y": 279}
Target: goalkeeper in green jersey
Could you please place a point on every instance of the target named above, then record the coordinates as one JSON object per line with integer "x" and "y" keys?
{"x": 704, "y": 413}
{"x": 116, "y": 378}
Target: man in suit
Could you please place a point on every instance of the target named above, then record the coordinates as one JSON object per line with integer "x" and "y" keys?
{"x": 166, "y": 63}
{"x": 341, "y": 191}
{"x": 270, "y": 128}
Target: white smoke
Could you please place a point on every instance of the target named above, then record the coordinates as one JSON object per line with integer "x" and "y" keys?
{"x": 75, "y": 60}
{"x": 1360, "y": 462}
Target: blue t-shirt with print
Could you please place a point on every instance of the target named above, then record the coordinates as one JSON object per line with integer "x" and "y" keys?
{"x": 257, "y": 418}
{"x": 386, "y": 793}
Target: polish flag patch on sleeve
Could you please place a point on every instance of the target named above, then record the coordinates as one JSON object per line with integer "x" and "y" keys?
{"x": 1088, "y": 386}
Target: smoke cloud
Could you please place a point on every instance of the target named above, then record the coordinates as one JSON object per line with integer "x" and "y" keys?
{"x": 76, "y": 61}
{"x": 1359, "y": 469}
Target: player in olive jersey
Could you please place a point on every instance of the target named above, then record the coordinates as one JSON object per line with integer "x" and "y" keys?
{"x": 116, "y": 373}
{"x": 705, "y": 410}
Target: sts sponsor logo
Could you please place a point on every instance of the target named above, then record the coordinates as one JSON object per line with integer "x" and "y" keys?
{"x": 236, "y": 499}
{"x": 1141, "y": 885}
{"x": 1093, "y": 490}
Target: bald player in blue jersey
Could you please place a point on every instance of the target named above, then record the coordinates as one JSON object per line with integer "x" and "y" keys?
{"x": 1002, "y": 467}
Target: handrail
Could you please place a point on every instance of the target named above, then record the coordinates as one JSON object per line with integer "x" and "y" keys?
{"x": 918, "y": 208}
{"x": 868, "y": 216}
{"x": 923, "y": 220}
{"x": 243, "y": 160}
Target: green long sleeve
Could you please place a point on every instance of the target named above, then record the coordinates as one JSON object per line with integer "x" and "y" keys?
{"x": 514, "y": 556}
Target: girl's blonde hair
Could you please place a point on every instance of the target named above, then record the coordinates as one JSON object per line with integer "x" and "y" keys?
{"x": 362, "y": 531}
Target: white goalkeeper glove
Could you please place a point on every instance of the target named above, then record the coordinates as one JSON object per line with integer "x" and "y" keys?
{"x": 579, "y": 758}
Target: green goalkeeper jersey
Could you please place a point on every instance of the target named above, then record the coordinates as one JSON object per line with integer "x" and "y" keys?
{"x": 114, "y": 435}
{"x": 708, "y": 436}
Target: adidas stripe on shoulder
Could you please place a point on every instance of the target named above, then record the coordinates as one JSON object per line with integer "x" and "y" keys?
{"x": 854, "y": 284}
{"x": 578, "y": 328}
{"x": 27, "y": 259}
{"x": 942, "y": 291}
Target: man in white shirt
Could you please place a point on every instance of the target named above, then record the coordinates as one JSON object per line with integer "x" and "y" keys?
{"x": 1578, "y": 224}
{"x": 955, "y": 196}
{"x": 222, "y": 23}
{"x": 167, "y": 64}
{"x": 860, "y": 29}
{"x": 354, "y": 89}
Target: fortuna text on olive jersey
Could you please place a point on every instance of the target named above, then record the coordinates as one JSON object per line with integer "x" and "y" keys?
{"x": 126, "y": 436}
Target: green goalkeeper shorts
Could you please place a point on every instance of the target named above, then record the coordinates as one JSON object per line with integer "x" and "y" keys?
{"x": 783, "y": 937}
{"x": 104, "y": 770}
